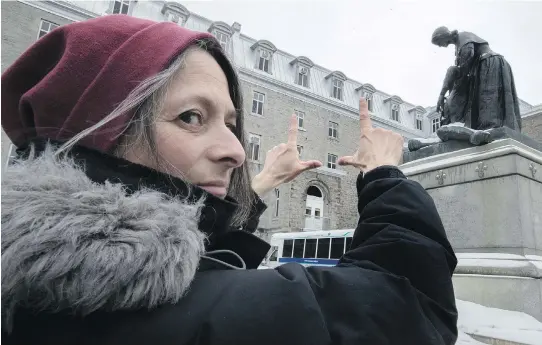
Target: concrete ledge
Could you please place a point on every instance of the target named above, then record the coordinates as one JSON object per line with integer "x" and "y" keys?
{"x": 475, "y": 154}
{"x": 499, "y": 264}
{"x": 512, "y": 293}
{"x": 494, "y": 341}
{"x": 455, "y": 145}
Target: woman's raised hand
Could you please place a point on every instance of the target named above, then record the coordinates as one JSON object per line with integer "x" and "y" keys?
{"x": 377, "y": 146}
{"x": 282, "y": 163}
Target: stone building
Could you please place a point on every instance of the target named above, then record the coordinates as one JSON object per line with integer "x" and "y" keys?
{"x": 275, "y": 84}
{"x": 532, "y": 122}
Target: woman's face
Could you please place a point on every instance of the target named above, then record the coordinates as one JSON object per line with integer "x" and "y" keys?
{"x": 195, "y": 131}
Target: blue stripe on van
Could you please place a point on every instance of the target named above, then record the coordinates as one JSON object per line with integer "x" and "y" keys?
{"x": 312, "y": 262}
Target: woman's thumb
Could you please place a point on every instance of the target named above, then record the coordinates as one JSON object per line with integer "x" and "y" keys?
{"x": 346, "y": 160}
{"x": 307, "y": 165}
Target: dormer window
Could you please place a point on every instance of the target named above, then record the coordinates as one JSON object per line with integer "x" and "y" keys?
{"x": 419, "y": 123}
{"x": 418, "y": 117}
{"x": 367, "y": 92}
{"x": 175, "y": 12}
{"x": 223, "y": 39}
{"x": 303, "y": 67}
{"x": 265, "y": 51}
{"x": 337, "y": 89}
{"x": 223, "y": 33}
{"x": 303, "y": 76}
{"x": 121, "y": 6}
{"x": 265, "y": 60}
{"x": 395, "y": 102}
{"x": 337, "y": 84}
{"x": 395, "y": 112}
{"x": 369, "y": 98}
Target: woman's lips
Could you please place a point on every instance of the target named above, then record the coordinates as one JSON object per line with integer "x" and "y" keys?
{"x": 218, "y": 191}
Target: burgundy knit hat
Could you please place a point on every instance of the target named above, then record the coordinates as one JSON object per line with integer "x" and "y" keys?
{"x": 76, "y": 75}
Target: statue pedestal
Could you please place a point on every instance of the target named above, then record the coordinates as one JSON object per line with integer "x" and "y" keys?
{"x": 490, "y": 201}
{"x": 454, "y": 145}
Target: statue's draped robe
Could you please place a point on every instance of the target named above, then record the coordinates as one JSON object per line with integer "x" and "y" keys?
{"x": 456, "y": 103}
{"x": 491, "y": 100}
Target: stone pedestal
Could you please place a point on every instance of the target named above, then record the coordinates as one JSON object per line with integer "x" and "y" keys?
{"x": 490, "y": 201}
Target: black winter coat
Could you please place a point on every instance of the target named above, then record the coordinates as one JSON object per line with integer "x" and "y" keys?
{"x": 97, "y": 263}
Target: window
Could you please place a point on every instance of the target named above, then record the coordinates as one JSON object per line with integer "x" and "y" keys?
{"x": 300, "y": 118}
{"x": 254, "y": 146}
{"x": 223, "y": 39}
{"x": 331, "y": 161}
{"x": 435, "y": 124}
{"x": 337, "y": 89}
{"x": 45, "y": 28}
{"x": 302, "y": 76}
{"x": 121, "y": 6}
{"x": 419, "y": 123}
{"x": 337, "y": 248}
{"x": 317, "y": 213}
{"x": 277, "y": 201}
{"x": 299, "y": 245}
{"x": 323, "y": 248}
{"x": 273, "y": 256}
{"x": 287, "y": 248}
{"x": 333, "y": 131}
{"x": 308, "y": 212}
{"x": 310, "y": 248}
{"x": 369, "y": 98}
{"x": 264, "y": 61}
{"x": 299, "y": 150}
{"x": 395, "y": 112}
{"x": 257, "y": 103}
{"x": 348, "y": 244}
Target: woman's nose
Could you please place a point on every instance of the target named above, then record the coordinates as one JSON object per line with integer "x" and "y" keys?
{"x": 228, "y": 148}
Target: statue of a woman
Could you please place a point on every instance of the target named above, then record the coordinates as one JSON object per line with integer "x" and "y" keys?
{"x": 492, "y": 101}
{"x": 481, "y": 92}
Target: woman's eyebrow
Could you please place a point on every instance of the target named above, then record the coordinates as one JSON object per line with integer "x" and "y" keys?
{"x": 211, "y": 104}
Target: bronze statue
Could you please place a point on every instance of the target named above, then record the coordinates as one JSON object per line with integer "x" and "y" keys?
{"x": 481, "y": 91}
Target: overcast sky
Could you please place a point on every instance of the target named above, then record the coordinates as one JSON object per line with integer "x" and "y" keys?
{"x": 388, "y": 43}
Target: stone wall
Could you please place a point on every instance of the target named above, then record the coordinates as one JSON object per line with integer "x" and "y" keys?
{"x": 340, "y": 199}
{"x": 20, "y": 26}
{"x": 532, "y": 126}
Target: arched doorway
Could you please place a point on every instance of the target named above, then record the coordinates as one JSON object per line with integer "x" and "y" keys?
{"x": 314, "y": 209}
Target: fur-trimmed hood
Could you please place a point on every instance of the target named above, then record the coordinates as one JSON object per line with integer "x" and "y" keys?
{"x": 71, "y": 243}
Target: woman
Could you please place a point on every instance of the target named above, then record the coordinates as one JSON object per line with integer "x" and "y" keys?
{"x": 129, "y": 232}
{"x": 485, "y": 81}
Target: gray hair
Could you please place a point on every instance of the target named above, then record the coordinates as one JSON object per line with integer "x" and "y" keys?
{"x": 148, "y": 100}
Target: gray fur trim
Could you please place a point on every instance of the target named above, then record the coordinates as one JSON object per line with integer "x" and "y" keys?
{"x": 71, "y": 244}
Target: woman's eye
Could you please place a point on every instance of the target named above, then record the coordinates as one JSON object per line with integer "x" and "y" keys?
{"x": 191, "y": 118}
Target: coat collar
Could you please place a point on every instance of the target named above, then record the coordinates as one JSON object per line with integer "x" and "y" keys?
{"x": 88, "y": 232}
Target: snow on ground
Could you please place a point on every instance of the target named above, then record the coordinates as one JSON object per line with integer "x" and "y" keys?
{"x": 464, "y": 339}
{"x": 498, "y": 323}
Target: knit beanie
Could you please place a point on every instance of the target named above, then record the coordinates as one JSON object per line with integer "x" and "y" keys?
{"x": 73, "y": 77}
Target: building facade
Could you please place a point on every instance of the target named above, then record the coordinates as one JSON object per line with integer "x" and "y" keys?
{"x": 275, "y": 85}
{"x": 532, "y": 122}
